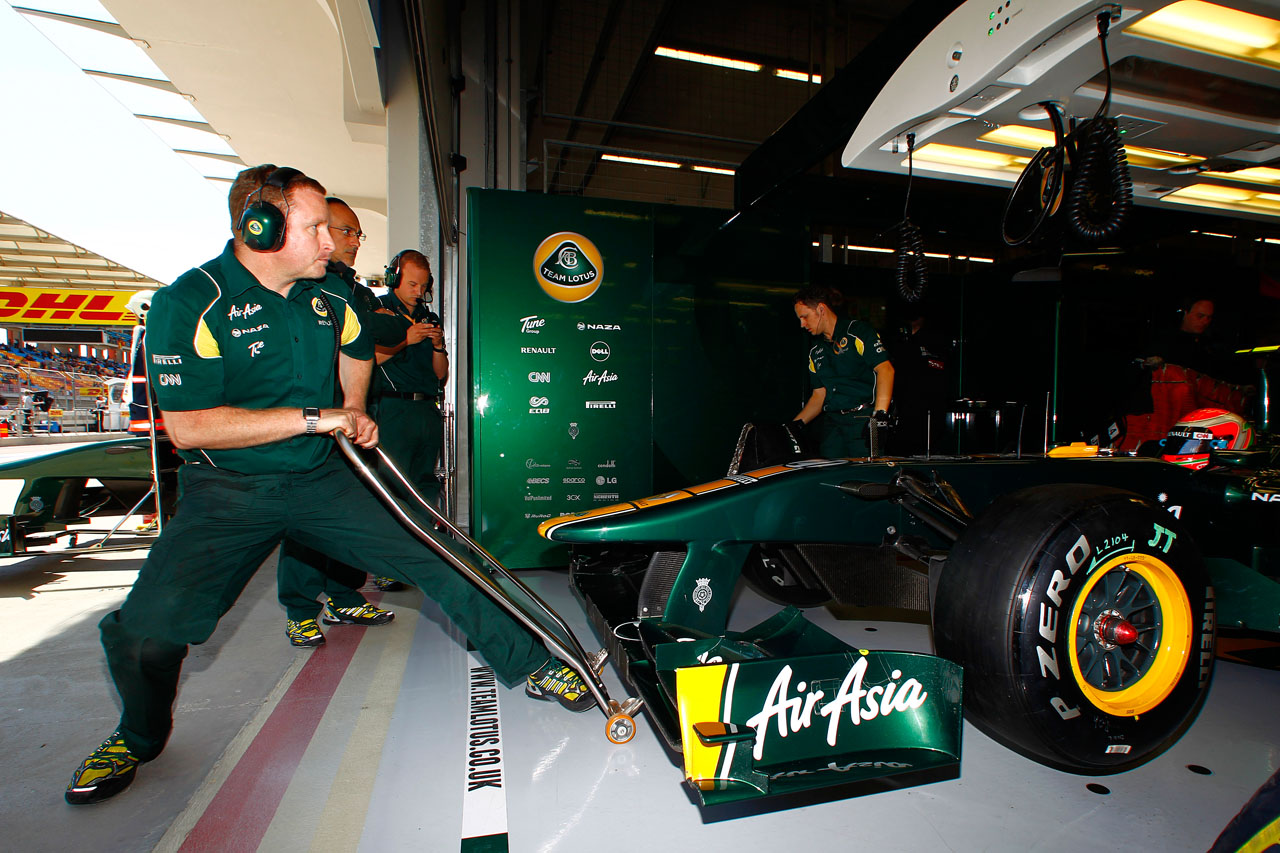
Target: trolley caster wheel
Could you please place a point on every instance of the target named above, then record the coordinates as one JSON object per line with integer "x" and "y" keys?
{"x": 620, "y": 729}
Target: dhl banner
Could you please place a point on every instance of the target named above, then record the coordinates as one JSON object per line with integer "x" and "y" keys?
{"x": 36, "y": 305}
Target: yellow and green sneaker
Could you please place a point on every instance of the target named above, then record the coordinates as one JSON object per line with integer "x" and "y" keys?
{"x": 304, "y": 634}
{"x": 107, "y": 771}
{"x": 364, "y": 614}
{"x": 555, "y": 681}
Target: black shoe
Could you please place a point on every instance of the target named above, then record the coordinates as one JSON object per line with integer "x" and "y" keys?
{"x": 107, "y": 771}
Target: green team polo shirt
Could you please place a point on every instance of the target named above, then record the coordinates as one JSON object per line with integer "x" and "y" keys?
{"x": 845, "y": 365}
{"x": 216, "y": 337}
{"x": 409, "y": 370}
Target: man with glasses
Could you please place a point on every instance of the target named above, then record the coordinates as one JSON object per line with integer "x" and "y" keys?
{"x": 304, "y": 575}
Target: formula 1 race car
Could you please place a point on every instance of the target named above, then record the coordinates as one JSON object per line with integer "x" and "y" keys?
{"x": 1076, "y": 595}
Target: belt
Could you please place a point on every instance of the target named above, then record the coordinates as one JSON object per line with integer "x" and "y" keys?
{"x": 408, "y": 395}
{"x": 850, "y": 411}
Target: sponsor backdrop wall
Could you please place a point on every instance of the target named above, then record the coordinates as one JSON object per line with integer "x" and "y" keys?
{"x": 617, "y": 349}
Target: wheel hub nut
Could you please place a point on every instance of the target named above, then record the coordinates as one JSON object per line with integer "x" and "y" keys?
{"x": 1113, "y": 630}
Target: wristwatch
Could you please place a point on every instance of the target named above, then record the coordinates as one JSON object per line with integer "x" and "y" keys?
{"x": 312, "y": 416}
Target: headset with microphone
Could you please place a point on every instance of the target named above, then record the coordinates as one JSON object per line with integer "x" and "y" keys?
{"x": 392, "y": 281}
{"x": 262, "y": 224}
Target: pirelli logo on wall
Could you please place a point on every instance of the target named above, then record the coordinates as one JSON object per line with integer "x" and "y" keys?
{"x": 35, "y": 305}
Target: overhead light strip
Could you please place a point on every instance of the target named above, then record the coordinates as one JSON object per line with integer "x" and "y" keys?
{"x": 735, "y": 64}
{"x": 1214, "y": 29}
{"x": 707, "y": 59}
{"x": 639, "y": 161}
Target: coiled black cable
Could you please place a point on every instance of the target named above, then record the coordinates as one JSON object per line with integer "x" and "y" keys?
{"x": 1101, "y": 194}
{"x": 910, "y": 271}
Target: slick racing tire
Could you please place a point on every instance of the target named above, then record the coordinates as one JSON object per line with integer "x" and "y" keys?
{"x": 1084, "y": 619}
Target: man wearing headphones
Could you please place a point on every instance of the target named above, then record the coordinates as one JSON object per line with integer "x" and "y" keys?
{"x": 246, "y": 353}
{"x": 410, "y": 375}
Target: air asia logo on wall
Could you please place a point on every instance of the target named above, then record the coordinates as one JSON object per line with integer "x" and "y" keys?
{"x": 568, "y": 267}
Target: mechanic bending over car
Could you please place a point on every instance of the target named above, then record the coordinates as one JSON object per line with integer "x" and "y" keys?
{"x": 246, "y": 352}
{"x": 850, "y": 373}
{"x": 304, "y": 574}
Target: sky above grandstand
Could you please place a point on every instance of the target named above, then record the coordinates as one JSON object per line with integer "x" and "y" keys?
{"x": 76, "y": 163}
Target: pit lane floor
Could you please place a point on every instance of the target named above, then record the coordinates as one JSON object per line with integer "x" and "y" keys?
{"x": 362, "y": 745}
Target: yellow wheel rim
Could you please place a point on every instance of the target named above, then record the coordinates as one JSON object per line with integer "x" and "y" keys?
{"x": 1126, "y": 678}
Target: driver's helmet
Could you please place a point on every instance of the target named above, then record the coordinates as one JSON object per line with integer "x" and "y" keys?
{"x": 1198, "y": 432}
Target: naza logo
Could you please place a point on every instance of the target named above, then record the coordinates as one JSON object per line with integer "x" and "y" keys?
{"x": 539, "y": 376}
{"x": 568, "y": 267}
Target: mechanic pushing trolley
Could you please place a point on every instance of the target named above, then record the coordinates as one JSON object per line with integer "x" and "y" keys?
{"x": 245, "y": 351}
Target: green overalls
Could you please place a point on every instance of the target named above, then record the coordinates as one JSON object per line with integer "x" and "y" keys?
{"x": 217, "y": 338}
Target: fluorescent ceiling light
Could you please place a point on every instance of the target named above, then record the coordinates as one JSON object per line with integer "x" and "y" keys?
{"x": 1214, "y": 29}
{"x": 876, "y": 249}
{"x": 970, "y": 162}
{"x": 707, "y": 59}
{"x": 1227, "y": 198}
{"x": 1035, "y": 138}
{"x": 1254, "y": 175}
{"x": 715, "y": 170}
{"x": 640, "y": 161}
{"x": 1214, "y": 234}
{"x": 802, "y": 76}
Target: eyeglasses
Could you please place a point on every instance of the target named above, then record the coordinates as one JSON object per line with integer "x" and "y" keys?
{"x": 350, "y": 232}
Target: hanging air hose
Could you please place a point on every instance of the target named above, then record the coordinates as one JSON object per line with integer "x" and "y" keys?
{"x": 1100, "y": 194}
{"x": 909, "y": 261}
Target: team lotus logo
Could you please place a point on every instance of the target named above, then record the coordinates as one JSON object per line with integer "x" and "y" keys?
{"x": 318, "y": 307}
{"x": 568, "y": 267}
{"x": 254, "y": 227}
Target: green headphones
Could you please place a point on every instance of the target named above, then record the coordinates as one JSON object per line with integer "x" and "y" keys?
{"x": 262, "y": 224}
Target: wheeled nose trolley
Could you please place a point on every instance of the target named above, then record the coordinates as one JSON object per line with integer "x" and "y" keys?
{"x": 495, "y": 580}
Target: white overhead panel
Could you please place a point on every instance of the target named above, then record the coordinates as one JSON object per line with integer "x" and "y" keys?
{"x": 1195, "y": 89}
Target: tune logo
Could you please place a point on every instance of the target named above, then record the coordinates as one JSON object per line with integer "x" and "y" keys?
{"x": 568, "y": 267}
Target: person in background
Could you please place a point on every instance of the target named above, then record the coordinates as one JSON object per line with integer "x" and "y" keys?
{"x": 305, "y": 578}
{"x": 849, "y": 372}
{"x": 410, "y": 375}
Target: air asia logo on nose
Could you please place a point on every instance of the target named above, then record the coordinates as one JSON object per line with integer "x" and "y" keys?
{"x": 568, "y": 267}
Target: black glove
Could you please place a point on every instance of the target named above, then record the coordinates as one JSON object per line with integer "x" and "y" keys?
{"x": 796, "y": 432}
{"x": 878, "y": 431}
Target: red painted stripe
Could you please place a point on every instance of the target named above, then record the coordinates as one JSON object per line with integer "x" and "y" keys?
{"x": 238, "y": 816}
